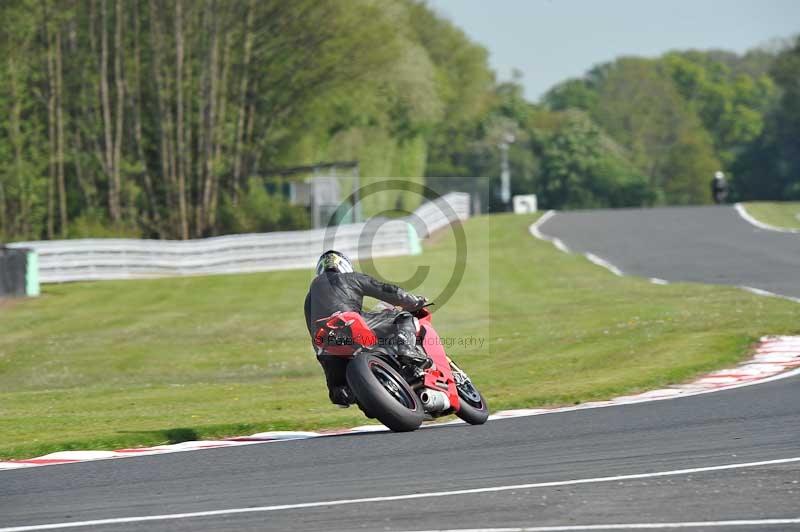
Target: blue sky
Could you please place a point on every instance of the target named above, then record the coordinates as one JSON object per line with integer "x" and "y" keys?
{"x": 551, "y": 40}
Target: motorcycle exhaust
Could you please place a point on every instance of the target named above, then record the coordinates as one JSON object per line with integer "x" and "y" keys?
{"x": 434, "y": 400}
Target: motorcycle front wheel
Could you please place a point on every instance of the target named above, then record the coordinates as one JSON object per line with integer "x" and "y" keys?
{"x": 384, "y": 393}
{"x": 473, "y": 407}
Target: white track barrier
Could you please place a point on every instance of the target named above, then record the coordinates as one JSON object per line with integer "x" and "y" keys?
{"x": 122, "y": 258}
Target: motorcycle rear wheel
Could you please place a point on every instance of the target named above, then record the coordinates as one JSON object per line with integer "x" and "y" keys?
{"x": 384, "y": 393}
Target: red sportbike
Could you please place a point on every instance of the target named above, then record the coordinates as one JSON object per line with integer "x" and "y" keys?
{"x": 400, "y": 394}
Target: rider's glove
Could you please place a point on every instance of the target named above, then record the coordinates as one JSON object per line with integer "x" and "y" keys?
{"x": 421, "y": 302}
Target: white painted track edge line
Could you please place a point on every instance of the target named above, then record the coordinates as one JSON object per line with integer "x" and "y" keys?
{"x": 742, "y": 210}
{"x": 561, "y": 246}
{"x": 391, "y": 498}
{"x": 600, "y": 261}
{"x": 772, "y": 378}
{"x": 499, "y": 416}
{"x": 630, "y": 526}
{"x": 534, "y": 228}
{"x": 767, "y": 293}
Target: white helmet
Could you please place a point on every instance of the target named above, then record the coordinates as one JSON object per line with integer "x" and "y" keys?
{"x": 333, "y": 261}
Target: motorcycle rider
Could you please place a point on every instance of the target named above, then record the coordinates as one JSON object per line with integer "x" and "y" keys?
{"x": 337, "y": 287}
{"x": 719, "y": 188}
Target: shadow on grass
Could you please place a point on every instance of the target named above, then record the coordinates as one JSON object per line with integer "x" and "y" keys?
{"x": 176, "y": 435}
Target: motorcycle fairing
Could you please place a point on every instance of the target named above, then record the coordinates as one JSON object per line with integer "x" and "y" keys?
{"x": 351, "y": 325}
{"x": 439, "y": 377}
{"x": 343, "y": 333}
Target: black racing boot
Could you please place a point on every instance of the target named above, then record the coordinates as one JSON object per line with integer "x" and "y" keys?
{"x": 407, "y": 351}
{"x": 342, "y": 397}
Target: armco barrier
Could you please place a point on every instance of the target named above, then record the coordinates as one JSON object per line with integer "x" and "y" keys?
{"x": 112, "y": 258}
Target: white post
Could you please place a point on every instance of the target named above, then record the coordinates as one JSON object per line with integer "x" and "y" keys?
{"x": 505, "y": 172}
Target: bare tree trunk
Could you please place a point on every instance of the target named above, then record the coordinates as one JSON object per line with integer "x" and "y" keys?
{"x": 181, "y": 159}
{"x": 75, "y": 103}
{"x": 22, "y": 223}
{"x": 108, "y": 152}
{"x": 209, "y": 122}
{"x": 51, "y": 131}
{"x": 164, "y": 111}
{"x": 62, "y": 189}
{"x": 5, "y": 232}
{"x": 136, "y": 99}
{"x": 120, "y": 86}
{"x": 194, "y": 132}
{"x": 89, "y": 112}
{"x": 243, "y": 88}
{"x": 188, "y": 113}
{"x": 202, "y": 138}
{"x": 202, "y": 115}
{"x": 93, "y": 26}
{"x": 247, "y": 153}
{"x": 83, "y": 182}
{"x": 3, "y": 212}
{"x": 220, "y": 133}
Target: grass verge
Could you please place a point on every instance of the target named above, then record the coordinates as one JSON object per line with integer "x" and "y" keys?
{"x": 785, "y": 214}
{"x": 116, "y": 364}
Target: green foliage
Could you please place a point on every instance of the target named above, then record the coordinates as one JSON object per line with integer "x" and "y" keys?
{"x": 769, "y": 168}
{"x": 668, "y": 124}
{"x": 687, "y": 114}
{"x": 93, "y": 223}
{"x": 731, "y": 106}
{"x": 23, "y": 156}
{"x": 168, "y": 106}
{"x": 259, "y": 212}
{"x": 581, "y": 167}
{"x": 464, "y": 82}
{"x": 468, "y": 92}
{"x": 641, "y": 109}
{"x": 572, "y": 94}
{"x": 471, "y": 148}
{"x": 149, "y": 117}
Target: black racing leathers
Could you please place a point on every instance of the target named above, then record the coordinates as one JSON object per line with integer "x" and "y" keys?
{"x": 331, "y": 292}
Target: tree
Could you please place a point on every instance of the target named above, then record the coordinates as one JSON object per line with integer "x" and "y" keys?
{"x": 640, "y": 107}
{"x": 148, "y": 115}
{"x": 730, "y": 105}
{"x": 581, "y": 167}
{"x": 770, "y": 167}
{"x": 572, "y": 94}
{"x": 681, "y": 116}
{"x": 24, "y": 157}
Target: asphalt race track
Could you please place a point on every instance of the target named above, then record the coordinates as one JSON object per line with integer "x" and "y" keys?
{"x": 757, "y": 423}
{"x": 674, "y": 448}
{"x": 701, "y": 244}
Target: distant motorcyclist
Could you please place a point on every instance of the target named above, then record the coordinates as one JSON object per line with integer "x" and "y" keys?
{"x": 719, "y": 188}
{"x": 337, "y": 287}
